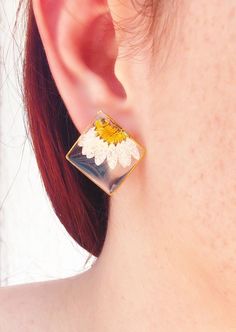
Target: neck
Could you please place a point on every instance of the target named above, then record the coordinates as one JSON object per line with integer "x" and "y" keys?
{"x": 168, "y": 262}
{"x": 153, "y": 270}
{"x": 152, "y": 280}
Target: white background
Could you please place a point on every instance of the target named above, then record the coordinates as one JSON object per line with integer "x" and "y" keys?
{"x": 34, "y": 245}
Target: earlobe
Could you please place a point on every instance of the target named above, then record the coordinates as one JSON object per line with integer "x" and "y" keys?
{"x": 79, "y": 41}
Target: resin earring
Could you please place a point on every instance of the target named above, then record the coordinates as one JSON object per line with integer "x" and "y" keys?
{"x": 105, "y": 153}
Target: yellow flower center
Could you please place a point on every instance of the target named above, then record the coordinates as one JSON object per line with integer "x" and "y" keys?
{"x": 110, "y": 132}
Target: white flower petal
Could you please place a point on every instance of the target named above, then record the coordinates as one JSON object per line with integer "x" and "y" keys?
{"x": 90, "y": 132}
{"x": 86, "y": 137}
{"x": 112, "y": 157}
{"x": 132, "y": 146}
{"x": 101, "y": 152}
{"x": 81, "y": 140}
{"x": 90, "y": 153}
{"x": 84, "y": 149}
{"x": 89, "y": 147}
{"x": 123, "y": 154}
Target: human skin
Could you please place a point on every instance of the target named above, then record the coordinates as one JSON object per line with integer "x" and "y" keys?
{"x": 169, "y": 258}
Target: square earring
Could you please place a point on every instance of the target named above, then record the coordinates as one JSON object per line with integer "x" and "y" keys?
{"x": 105, "y": 153}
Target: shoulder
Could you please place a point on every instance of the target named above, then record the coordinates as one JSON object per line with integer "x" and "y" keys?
{"x": 31, "y": 307}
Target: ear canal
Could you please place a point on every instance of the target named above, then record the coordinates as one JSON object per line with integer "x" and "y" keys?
{"x": 99, "y": 51}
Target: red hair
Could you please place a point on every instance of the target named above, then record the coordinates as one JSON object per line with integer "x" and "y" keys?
{"x": 80, "y": 205}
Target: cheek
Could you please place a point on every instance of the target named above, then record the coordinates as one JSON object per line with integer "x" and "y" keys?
{"x": 216, "y": 181}
{"x": 214, "y": 223}
{"x": 211, "y": 197}
{"x": 214, "y": 229}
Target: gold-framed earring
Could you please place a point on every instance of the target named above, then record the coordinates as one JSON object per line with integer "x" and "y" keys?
{"x": 105, "y": 153}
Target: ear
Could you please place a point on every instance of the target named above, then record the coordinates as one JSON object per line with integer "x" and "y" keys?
{"x": 79, "y": 41}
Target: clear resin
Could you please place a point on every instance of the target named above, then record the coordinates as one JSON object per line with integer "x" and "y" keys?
{"x": 105, "y": 153}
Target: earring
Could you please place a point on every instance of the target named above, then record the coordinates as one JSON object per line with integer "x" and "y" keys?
{"x": 105, "y": 153}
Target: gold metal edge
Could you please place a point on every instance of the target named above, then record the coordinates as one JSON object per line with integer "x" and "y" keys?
{"x": 130, "y": 171}
{"x": 84, "y": 131}
{"x": 94, "y": 181}
{"x": 92, "y": 121}
{"x": 142, "y": 148}
{"x": 130, "y": 135}
{"x": 88, "y": 176}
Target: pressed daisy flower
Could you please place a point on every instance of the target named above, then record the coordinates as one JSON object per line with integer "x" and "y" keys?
{"x": 104, "y": 142}
{"x": 107, "y": 141}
